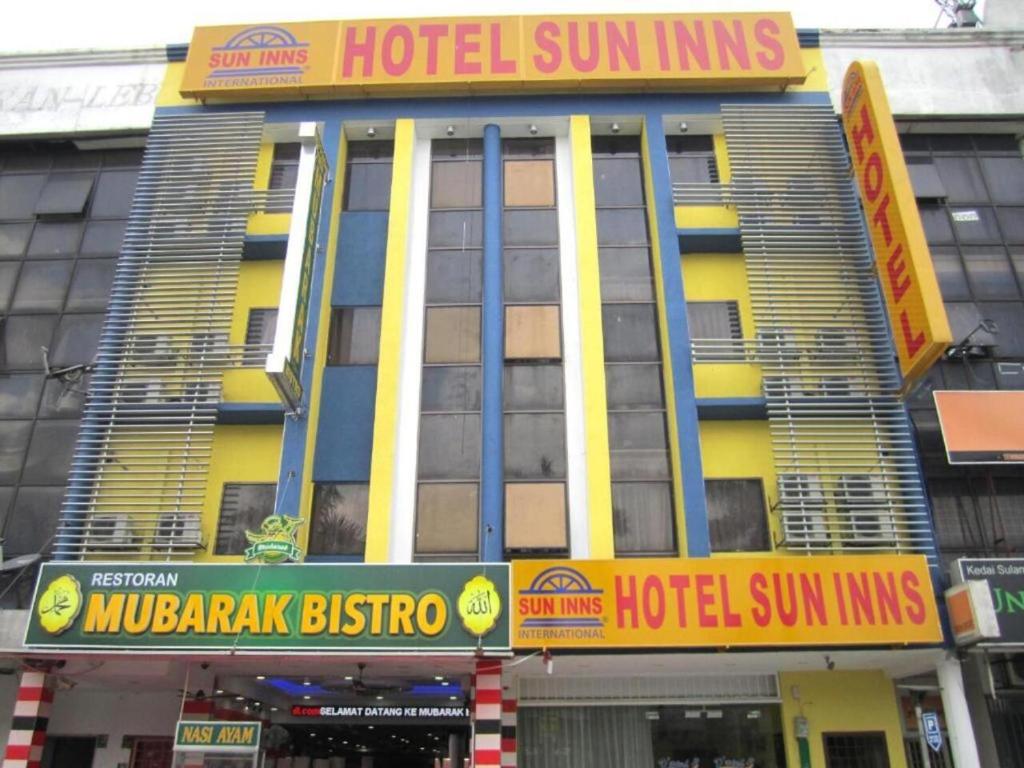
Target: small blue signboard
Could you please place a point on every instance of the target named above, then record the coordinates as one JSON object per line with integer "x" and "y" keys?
{"x": 931, "y": 730}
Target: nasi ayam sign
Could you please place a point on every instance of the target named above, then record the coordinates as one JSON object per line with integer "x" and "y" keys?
{"x": 495, "y": 53}
{"x": 308, "y": 607}
{"x": 853, "y": 600}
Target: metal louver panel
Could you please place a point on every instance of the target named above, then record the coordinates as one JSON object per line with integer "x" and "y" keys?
{"x": 844, "y": 452}
{"x": 138, "y": 477}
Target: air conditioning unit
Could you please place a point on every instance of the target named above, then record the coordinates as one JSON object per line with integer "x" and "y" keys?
{"x": 864, "y": 507}
{"x": 777, "y": 344}
{"x": 108, "y": 531}
{"x": 177, "y": 529}
{"x": 151, "y": 350}
{"x": 803, "y": 510}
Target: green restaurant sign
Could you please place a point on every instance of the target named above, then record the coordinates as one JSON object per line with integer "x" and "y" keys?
{"x": 316, "y": 607}
{"x": 217, "y": 736}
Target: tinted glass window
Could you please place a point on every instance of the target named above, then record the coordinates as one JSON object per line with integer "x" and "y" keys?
{"x": 338, "y": 524}
{"x": 737, "y": 517}
{"x": 354, "y": 337}
{"x": 243, "y": 508}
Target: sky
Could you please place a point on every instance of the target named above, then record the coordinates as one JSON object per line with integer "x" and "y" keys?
{"x": 39, "y": 25}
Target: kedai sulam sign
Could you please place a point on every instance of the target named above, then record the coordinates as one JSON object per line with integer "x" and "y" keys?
{"x": 770, "y": 601}
{"x": 917, "y": 315}
{"x": 505, "y": 53}
{"x": 336, "y": 607}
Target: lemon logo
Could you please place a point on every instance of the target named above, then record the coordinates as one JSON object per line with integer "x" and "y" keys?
{"x": 59, "y": 606}
{"x": 275, "y": 542}
{"x": 479, "y": 605}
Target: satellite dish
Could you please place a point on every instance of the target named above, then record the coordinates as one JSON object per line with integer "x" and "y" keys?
{"x": 20, "y": 562}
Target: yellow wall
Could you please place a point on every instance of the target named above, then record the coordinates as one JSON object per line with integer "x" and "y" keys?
{"x": 259, "y": 287}
{"x": 741, "y": 450}
{"x": 838, "y": 701}
{"x": 722, "y": 277}
{"x": 241, "y": 454}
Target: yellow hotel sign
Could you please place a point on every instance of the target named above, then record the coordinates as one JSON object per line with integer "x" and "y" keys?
{"x": 680, "y": 603}
{"x": 492, "y": 54}
{"x": 916, "y": 313}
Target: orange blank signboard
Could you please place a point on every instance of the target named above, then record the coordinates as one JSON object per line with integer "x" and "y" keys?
{"x": 982, "y": 427}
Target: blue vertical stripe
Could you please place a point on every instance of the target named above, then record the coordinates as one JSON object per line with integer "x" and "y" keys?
{"x": 296, "y": 430}
{"x": 492, "y": 532}
{"x": 698, "y": 539}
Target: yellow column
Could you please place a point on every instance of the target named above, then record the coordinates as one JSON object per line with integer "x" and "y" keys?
{"x": 392, "y": 322}
{"x": 595, "y": 403}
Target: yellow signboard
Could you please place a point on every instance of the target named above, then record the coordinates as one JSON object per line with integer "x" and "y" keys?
{"x": 684, "y": 603}
{"x": 493, "y": 54}
{"x": 916, "y": 313}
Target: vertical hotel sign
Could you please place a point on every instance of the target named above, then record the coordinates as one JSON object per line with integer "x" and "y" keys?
{"x": 916, "y": 313}
{"x": 284, "y": 363}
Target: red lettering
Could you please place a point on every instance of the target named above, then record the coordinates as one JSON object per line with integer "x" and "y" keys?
{"x": 544, "y": 38}
{"x": 499, "y": 66}
{"x": 732, "y": 619}
{"x": 765, "y": 32}
{"x": 302, "y": 56}
{"x": 580, "y": 64}
{"x": 788, "y": 615}
{"x": 626, "y": 46}
{"x": 860, "y": 598}
{"x": 687, "y": 44}
{"x": 354, "y": 49}
{"x": 840, "y": 599}
{"x": 662, "y": 40}
{"x": 814, "y": 599}
{"x": 625, "y": 603}
{"x": 880, "y": 218}
{"x": 705, "y": 599}
{"x": 910, "y": 584}
{"x": 396, "y": 67}
{"x": 913, "y": 342}
{"x": 654, "y": 602}
{"x": 524, "y": 606}
{"x": 680, "y": 583}
{"x": 873, "y": 177}
{"x": 895, "y": 267}
{"x": 433, "y": 33}
{"x": 862, "y": 133}
{"x": 735, "y": 44}
{"x": 888, "y": 605}
{"x": 763, "y": 613}
{"x": 464, "y": 46}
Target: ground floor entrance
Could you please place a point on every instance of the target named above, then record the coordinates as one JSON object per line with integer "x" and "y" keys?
{"x": 366, "y": 746}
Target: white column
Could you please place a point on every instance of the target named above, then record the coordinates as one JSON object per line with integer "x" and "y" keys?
{"x": 958, "y": 718}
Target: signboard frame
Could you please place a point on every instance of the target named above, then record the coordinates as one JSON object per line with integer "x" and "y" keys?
{"x": 1008, "y": 416}
{"x": 988, "y": 570}
{"x": 218, "y": 726}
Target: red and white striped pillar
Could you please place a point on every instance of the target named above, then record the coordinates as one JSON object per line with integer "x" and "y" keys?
{"x": 487, "y": 714}
{"x": 31, "y": 716}
{"x": 508, "y": 730}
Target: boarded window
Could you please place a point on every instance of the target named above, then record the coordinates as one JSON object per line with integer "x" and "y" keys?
{"x": 737, "y": 517}
{"x": 446, "y": 519}
{"x": 535, "y": 517}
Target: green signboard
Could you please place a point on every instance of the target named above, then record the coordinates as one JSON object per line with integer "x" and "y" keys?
{"x": 316, "y": 607}
{"x": 217, "y": 736}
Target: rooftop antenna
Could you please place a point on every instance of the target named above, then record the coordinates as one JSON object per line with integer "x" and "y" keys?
{"x": 959, "y": 12}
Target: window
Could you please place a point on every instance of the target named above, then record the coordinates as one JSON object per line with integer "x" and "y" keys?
{"x": 354, "y": 336}
{"x": 691, "y": 159}
{"x": 538, "y": 521}
{"x": 532, "y": 333}
{"x": 716, "y": 321}
{"x": 243, "y": 507}
{"x": 259, "y": 335}
{"x": 368, "y": 167}
{"x": 737, "y": 516}
{"x": 62, "y": 218}
{"x": 447, "y": 503}
{"x": 284, "y": 168}
{"x": 338, "y": 524}
{"x": 855, "y": 750}
{"x": 641, "y": 466}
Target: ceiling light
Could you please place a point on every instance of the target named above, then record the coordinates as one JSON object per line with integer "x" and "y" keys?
{"x": 453, "y": 698}
{"x": 348, "y": 677}
{"x": 307, "y": 697}
{"x": 219, "y": 690}
{"x": 380, "y": 698}
{"x": 370, "y": 727}
{"x": 273, "y": 709}
{"x": 239, "y": 698}
{"x": 439, "y": 678}
{"x": 306, "y": 682}
{"x": 261, "y": 677}
{"x": 445, "y": 682}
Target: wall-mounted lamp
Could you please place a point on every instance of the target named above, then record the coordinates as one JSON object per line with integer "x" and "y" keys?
{"x": 450, "y": 130}
{"x": 683, "y": 127}
{"x": 371, "y": 131}
{"x": 533, "y": 130}
{"x": 616, "y": 128}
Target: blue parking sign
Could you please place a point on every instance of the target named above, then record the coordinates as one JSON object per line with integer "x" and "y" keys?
{"x": 932, "y": 734}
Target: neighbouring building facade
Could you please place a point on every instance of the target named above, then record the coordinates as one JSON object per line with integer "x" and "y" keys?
{"x": 512, "y": 391}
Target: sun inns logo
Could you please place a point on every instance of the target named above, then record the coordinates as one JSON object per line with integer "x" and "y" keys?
{"x": 264, "y": 55}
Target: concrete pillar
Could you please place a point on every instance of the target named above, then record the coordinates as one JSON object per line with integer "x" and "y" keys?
{"x": 958, "y": 717}
{"x": 487, "y": 715}
{"x": 29, "y": 720}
